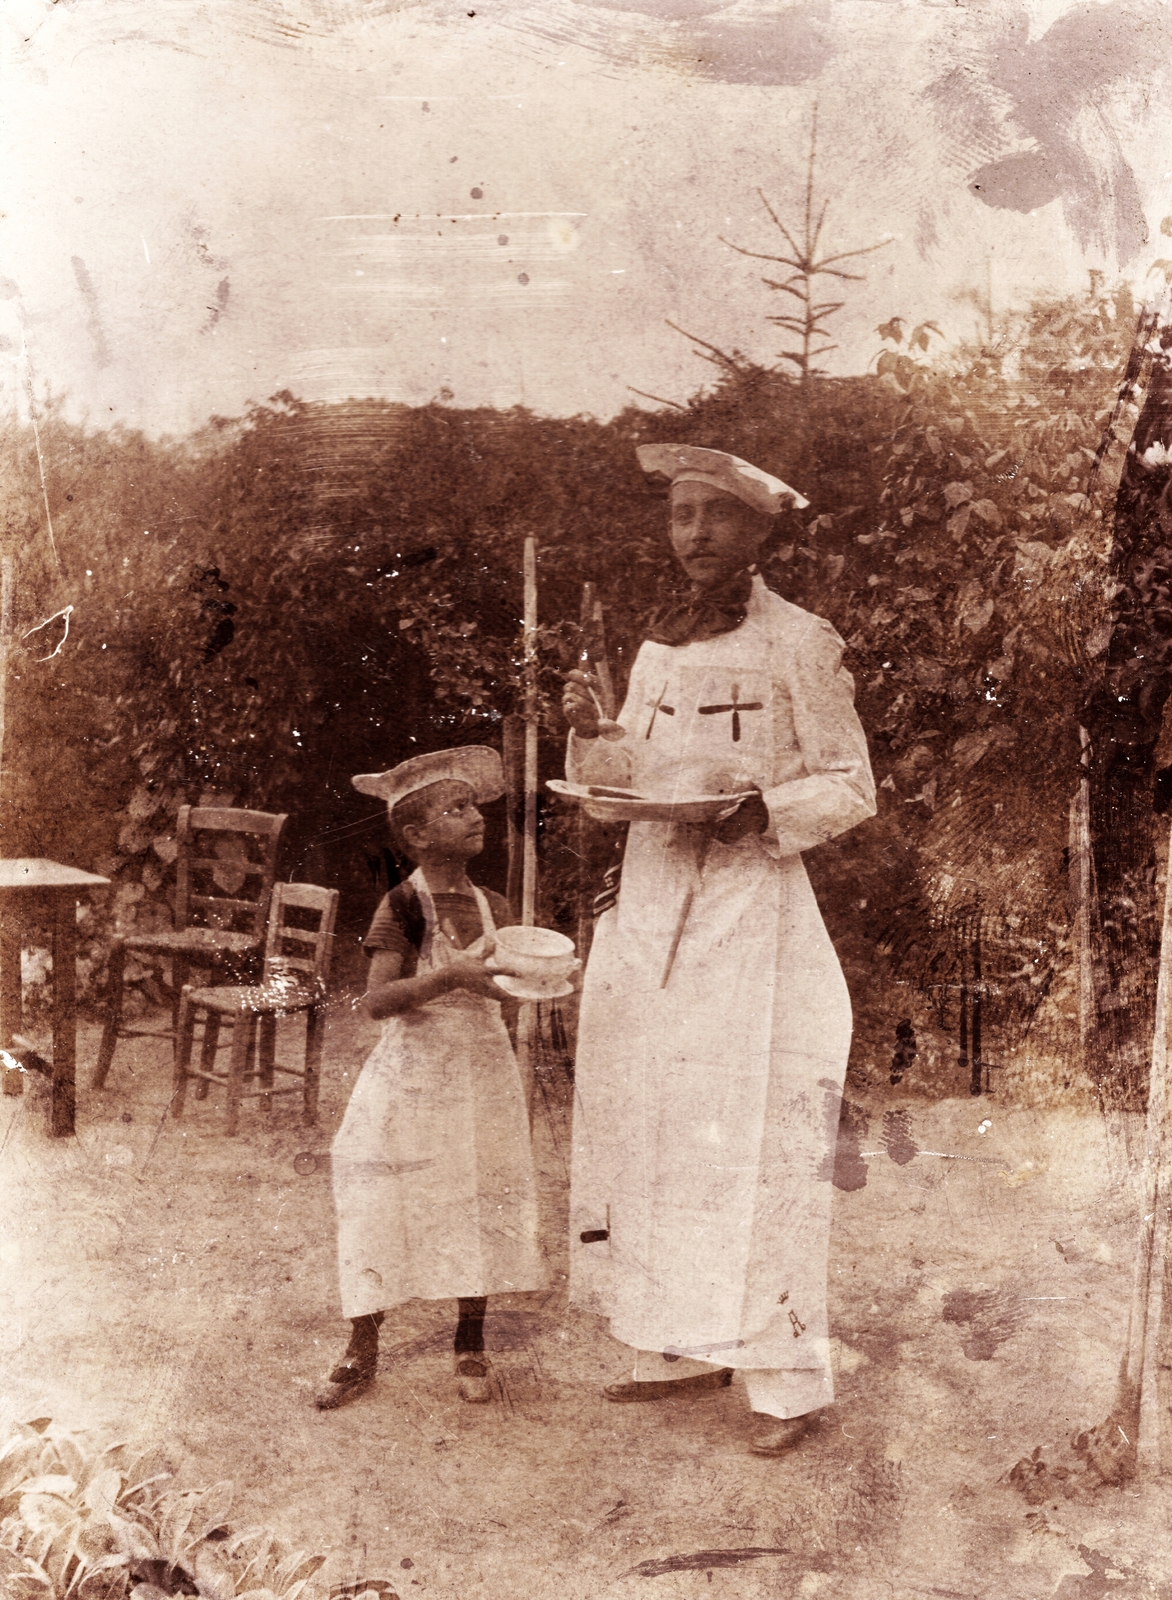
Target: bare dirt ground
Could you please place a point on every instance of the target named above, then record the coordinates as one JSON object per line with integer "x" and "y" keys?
{"x": 166, "y": 1283}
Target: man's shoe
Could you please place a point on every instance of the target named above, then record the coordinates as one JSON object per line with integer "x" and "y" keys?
{"x": 349, "y": 1380}
{"x": 663, "y": 1390}
{"x": 777, "y": 1436}
{"x": 472, "y": 1371}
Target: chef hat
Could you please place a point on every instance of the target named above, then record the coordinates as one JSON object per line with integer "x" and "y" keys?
{"x": 689, "y": 463}
{"x": 473, "y": 764}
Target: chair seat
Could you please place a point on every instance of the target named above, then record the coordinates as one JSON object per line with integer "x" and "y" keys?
{"x": 194, "y": 942}
{"x": 271, "y": 999}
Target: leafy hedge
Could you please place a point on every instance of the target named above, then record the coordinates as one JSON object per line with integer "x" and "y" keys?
{"x": 280, "y": 601}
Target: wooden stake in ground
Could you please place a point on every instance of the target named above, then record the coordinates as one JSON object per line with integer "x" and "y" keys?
{"x": 527, "y": 1018}
{"x": 592, "y": 660}
{"x": 1137, "y": 1431}
{"x": 6, "y": 602}
{"x": 529, "y": 877}
{"x": 1130, "y": 1436}
{"x": 11, "y": 1077}
{"x": 585, "y": 881}
{"x": 1139, "y": 1373}
{"x": 1084, "y": 902}
{"x": 513, "y": 755}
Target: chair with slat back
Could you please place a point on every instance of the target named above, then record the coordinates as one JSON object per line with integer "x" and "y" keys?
{"x": 232, "y": 852}
{"x": 295, "y": 980}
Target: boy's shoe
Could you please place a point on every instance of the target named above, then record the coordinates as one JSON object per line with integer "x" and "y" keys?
{"x": 472, "y": 1372}
{"x": 777, "y": 1436}
{"x": 349, "y": 1380}
{"x": 354, "y": 1374}
{"x": 666, "y": 1387}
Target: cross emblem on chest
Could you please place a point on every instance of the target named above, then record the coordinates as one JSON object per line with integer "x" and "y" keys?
{"x": 736, "y": 705}
{"x": 656, "y": 707}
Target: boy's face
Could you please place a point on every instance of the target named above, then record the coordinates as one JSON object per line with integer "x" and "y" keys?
{"x": 454, "y": 829}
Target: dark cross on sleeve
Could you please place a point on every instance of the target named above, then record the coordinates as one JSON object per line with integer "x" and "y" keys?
{"x": 736, "y": 706}
{"x": 656, "y": 707}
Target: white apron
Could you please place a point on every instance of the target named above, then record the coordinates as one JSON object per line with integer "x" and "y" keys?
{"x": 432, "y": 1166}
{"x": 706, "y": 1110}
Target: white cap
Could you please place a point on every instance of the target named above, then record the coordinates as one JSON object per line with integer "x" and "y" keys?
{"x": 690, "y": 463}
{"x": 473, "y": 764}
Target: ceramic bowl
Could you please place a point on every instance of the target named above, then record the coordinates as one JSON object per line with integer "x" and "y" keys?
{"x": 542, "y": 957}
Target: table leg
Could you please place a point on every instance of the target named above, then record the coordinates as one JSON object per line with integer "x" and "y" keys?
{"x": 64, "y": 1011}
{"x": 11, "y": 1006}
{"x": 315, "y": 1027}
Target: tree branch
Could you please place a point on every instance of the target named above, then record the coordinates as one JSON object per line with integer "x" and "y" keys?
{"x": 779, "y": 224}
{"x": 759, "y": 255}
{"x": 844, "y": 255}
{"x": 658, "y": 398}
{"x": 718, "y": 356}
{"x": 818, "y": 227}
{"x": 785, "y": 288}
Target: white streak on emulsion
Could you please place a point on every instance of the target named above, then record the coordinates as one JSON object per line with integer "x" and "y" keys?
{"x": 66, "y": 612}
{"x": 145, "y": 251}
{"x": 445, "y": 216}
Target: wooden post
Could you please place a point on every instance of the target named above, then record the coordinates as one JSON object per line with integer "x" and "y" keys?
{"x": 10, "y": 982}
{"x": 962, "y": 1059}
{"x": 585, "y": 879}
{"x": 11, "y": 999}
{"x": 6, "y": 590}
{"x": 1082, "y": 894}
{"x": 63, "y": 905}
{"x": 529, "y": 876}
{"x": 527, "y": 1017}
{"x": 592, "y": 659}
{"x": 513, "y": 755}
{"x": 978, "y": 1063}
{"x": 1137, "y": 1398}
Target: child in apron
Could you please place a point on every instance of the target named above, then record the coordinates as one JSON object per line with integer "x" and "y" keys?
{"x": 432, "y": 1166}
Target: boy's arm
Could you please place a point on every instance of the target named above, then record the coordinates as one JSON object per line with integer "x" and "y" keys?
{"x": 387, "y": 993}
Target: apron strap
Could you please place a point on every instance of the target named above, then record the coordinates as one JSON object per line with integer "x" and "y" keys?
{"x": 430, "y": 927}
{"x": 487, "y": 925}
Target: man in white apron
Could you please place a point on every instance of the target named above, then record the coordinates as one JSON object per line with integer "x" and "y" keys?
{"x": 715, "y": 1020}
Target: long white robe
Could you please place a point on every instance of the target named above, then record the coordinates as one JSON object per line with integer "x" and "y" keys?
{"x": 706, "y": 1109}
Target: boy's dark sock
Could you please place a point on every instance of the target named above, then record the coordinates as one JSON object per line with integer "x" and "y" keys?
{"x": 470, "y": 1326}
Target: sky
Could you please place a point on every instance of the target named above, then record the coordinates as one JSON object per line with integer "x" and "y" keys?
{"x": 502, "y": 203}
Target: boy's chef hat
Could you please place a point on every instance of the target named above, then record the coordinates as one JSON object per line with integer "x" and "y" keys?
{"x": 473, "y": 764}
{"x": 689, "y": 463}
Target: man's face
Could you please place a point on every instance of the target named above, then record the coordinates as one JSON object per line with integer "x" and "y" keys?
{"x": 714, "y": 534}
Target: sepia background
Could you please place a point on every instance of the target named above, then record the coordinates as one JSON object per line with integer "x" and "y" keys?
{"x": 310, "y": 314}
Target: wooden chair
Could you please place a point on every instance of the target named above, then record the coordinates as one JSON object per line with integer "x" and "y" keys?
{"x": 221, "y": 912}
{"x": 291, "y": 983}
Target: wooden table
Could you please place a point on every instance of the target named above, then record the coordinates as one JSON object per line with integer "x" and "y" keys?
{"x": 34, "y": 891}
